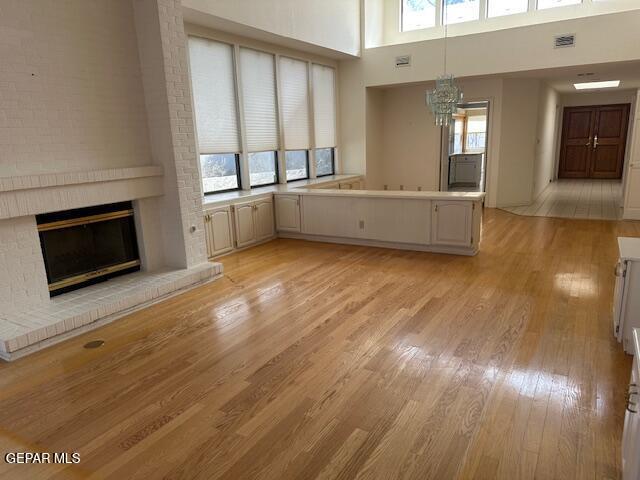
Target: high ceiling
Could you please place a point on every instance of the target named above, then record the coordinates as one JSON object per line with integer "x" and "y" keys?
{"x": 562, "y": 79}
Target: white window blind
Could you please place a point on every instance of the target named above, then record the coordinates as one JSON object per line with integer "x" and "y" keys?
{"x": 214, "y": 96}
{"x": 294, "y": 83}
{"x": 258, "y": 84}
{"x": 324, "y": 106}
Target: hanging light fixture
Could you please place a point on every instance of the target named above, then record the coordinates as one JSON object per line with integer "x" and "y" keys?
{"x": 443, "y": 101}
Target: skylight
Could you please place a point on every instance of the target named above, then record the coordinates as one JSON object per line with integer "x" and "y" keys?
{"x": 594, "y": 85}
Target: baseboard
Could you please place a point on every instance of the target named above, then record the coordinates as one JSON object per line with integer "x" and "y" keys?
{"x": 467, "y": 251}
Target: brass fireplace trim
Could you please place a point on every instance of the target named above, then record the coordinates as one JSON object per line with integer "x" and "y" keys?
{"x": 88, "y": 276}
{"x": 74, "y": 222}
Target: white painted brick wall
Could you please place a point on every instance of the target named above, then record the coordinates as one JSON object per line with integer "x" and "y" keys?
{"x": 164, "y": 64}
{"x": 22, "y": 275}
{"x": 71, "y": 92}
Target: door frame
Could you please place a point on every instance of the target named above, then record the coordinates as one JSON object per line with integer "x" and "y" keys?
{"x": 562, "y": 132}
{"x": 443, "y": 173}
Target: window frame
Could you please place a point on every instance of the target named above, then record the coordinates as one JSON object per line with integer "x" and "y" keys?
{"x": 482, "y": 13}
{"x": 333, "y": 161}
{"x": 276, "y": 168}
{"x": 243, "y": 172}
{"x": 238, "y": 176}
{"x": 306, "y": 151}
{"x": 436, "y": 20}
{"x": 538, "y": 9}
{"x": 533, "y": 6}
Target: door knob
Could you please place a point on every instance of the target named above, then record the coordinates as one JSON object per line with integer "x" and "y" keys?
{"x": 595, "y": 142}
{"x": 589, "y": 142}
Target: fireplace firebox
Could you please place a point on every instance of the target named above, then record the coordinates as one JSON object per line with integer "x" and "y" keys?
{"x": 88, "y": 245}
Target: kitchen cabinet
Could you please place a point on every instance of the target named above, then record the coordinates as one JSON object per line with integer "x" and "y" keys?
{"x": 253, "y": 221}
{"x": 245, "y": 224}
{"x": 263, "y": 219}
{"x": 218, "y": 231}
{"x": 287, "y": 213}
{"x": 631, "y": 432}
{"x": 452, "y": 223}
{"x": 626, "y": 300}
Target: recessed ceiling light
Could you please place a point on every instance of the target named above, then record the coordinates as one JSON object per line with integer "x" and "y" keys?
{"x": 593, "y": 85}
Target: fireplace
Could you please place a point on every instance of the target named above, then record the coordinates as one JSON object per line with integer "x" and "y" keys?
{"x": 88, "y": 245}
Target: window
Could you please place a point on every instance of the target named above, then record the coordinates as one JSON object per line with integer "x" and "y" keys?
{"x": 498, "y": 8}
{"x": 220, "y": 172}
{"x": 248, "y": 109}
{"x": 216, "y": 115}
{"x": 324, "y": 161}
{"x": 214, "y": 96}
{"x": 297, "y": 163}
{"x": 294, "y": 80}
{"x": 263, "y": 168}
{"x": 324, "y": 106}
{"x": 542, "y": 4}
{"x": 476, "y": 136}
{"x": 458, "y": 132}
{"x": 418, "y": 14}
{"x": 258, "y": 85}
{"x": 457, "y": 11}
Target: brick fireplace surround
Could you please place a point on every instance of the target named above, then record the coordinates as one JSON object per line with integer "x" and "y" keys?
{"x": 91, "y": 120}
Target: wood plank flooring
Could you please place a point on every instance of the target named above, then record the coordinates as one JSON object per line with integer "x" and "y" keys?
{"x": 319, "y": 361}
{"x": 594, "y": 199}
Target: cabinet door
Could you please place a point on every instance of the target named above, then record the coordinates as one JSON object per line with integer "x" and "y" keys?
{"x": 218, "y": 231}
{"x": 288, "y": 213}
{"x": 451, "y": 223}
{"x": 245, "y": 228}
{"x": 264, "y": 219}
{"x": 631, "y": 432}
{"x": 355, "y": 185}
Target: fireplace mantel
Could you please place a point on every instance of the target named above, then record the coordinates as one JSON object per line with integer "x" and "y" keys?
{"x": 35, "y": 194}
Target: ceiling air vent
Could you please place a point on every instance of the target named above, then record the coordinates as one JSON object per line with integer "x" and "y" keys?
{"x": 563, "y": 41}
{"x": 403, "y": 61}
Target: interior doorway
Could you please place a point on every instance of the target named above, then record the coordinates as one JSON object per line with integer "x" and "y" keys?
{"x": 593, "y": 141}
{"x": 464, "y": 149}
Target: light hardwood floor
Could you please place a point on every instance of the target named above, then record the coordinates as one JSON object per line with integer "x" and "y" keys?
{"x": 312, "y": 360}
{"x": 594, "y": 199}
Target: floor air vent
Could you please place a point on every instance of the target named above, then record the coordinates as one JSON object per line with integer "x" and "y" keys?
{"x": 563, "y": 41}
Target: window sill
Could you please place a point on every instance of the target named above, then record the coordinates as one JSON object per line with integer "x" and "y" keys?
{"x": 230, "y": 197}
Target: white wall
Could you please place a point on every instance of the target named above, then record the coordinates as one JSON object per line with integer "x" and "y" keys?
{"x": 607, "y": 97}
{"x": 70, "y": 88}
{"x": 549, "y": 114}
{"x": 332, "y": 24}
{"x": 599, "y": 39}
{"x": 517, "y": 141}
{"x": 483, "y": 56}
{"x": 375, "y": 146}
{"x": 403, "y": 144}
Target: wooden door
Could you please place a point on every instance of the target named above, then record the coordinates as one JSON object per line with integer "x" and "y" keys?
{"x": 609, "y": 142}
{"x": 593, "y": 141}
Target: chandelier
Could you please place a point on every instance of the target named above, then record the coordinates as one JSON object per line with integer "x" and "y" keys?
{"x": 443, "y": 101}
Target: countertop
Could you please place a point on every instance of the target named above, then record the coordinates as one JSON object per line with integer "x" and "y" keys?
{"x": 291, "y": 187}
{"x": 629, "y": 248}
{"x": 403, "y": 194}
{"x": 301, "y": 187}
